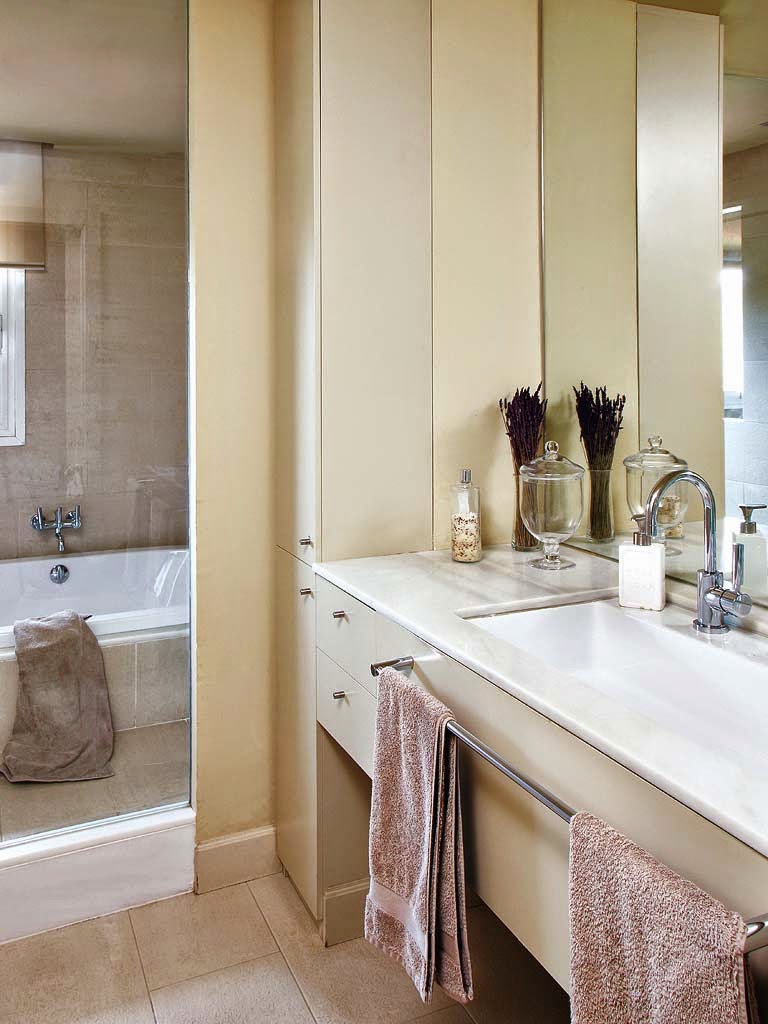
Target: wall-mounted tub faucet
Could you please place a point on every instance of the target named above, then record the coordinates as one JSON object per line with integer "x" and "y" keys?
{"x": 60, "y": 522}
{"x": 714, "y": 600}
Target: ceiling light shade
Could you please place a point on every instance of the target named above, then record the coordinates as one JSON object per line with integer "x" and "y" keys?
{"x": 22, "y": 219}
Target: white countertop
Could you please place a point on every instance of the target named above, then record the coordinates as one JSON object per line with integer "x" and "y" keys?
{"x": 720, "y": 773}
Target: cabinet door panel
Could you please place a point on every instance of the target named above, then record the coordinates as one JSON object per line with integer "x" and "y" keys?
{"x": 376, "y": 277}
{"x": 297, "y": 726}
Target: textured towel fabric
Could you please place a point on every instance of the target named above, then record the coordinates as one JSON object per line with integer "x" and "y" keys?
{"x": 647, "y": 946}
{"x": 63, "y": 726}
{"x": 416, "y": 909}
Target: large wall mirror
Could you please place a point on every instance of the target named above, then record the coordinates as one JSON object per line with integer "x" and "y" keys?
{"x": 655, "y": 224}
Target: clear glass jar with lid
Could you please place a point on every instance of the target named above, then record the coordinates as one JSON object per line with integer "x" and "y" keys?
{"x": 644, "y": 469}
{"x": 552, "y": 503}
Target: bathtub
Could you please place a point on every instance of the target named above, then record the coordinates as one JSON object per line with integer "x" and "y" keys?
{"x": 122, "y": 591}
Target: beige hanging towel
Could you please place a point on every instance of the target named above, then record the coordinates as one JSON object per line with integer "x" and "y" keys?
{"x": 416, "y": 907}
{"x": 647, "y": 946}
{"x": 63, "y": 726}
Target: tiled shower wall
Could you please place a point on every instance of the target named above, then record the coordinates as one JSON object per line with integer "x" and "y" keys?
{"x": 106, "y": 356}
{"x": 745, "y": 183}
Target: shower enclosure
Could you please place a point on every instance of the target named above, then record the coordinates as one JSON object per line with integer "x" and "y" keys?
{"x": 94, "y": 354}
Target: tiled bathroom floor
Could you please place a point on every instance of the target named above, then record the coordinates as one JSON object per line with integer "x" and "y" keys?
{"x": 151, "y": 767}
{"x": 249, "y": 954}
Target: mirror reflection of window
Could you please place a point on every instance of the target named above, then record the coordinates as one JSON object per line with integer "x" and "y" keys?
{"x": 731, "y": 285}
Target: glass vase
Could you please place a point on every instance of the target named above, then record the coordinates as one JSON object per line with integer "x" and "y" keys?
{"x": 522, "y": 538}
{"x": 600, "y": 525}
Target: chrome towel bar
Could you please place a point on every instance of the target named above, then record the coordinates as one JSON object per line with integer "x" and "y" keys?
{"x": 757, "y": 927}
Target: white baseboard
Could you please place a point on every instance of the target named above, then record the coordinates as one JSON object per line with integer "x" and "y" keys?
{"x": 235, "y": 858}
{"x": 90, "y": 872}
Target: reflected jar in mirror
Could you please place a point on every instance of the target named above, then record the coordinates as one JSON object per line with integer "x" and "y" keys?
{"x": 644, "y": 469}
{"x": 552, "y": 503}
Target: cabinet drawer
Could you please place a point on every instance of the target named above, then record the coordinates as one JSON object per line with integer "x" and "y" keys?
{"x": 350, "y": 719}
{"x": 345, "y": 631}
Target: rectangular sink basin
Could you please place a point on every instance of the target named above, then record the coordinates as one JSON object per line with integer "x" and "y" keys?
{"x": 653, "y": 664}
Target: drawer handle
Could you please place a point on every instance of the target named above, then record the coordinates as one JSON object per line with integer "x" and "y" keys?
{"x": 339, "y": 694}
{"x": 305, "y": 591}
{"x": 306, "y": 542}
{"x": 339, "y": 615}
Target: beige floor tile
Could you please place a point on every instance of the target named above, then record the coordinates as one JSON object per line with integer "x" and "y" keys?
{"x": 151, "y": 767}
{"x": 261, "y": 990}
{"x": 27, "y": 808}
{"x": 511, "y": 987}
{"x": 351, "y": 983}
{"x": 190, "y": 935}
{"x": 87, "y": 972}
{"x": 451, "y": 1015}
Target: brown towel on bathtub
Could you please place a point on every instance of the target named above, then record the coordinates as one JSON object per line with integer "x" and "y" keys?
{"x": 63, "y": 726}
{"x": 415, "y": 910}
{"x": 647, "y": 946}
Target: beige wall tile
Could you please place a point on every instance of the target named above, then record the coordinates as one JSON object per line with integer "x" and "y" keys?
{"x": 163, "y": 684}
{"x": 151, "y": 767}
{"x": 9, "y": 688}
{"x": 87, "y": 972}
{"x": 261, "y": 990}
{"x": 120, "y": 670}
{"x": 98, "y": 428}
{"x": 27, "y": 808}
{"x": 191, "y": 935}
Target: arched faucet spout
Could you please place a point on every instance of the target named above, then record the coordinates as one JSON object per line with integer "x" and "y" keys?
{"x": 687, "y": 476}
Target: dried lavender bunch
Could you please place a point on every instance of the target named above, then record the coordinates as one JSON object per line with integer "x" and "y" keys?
{"x": 600, "y": 419}
{"x": 523, "y": 416}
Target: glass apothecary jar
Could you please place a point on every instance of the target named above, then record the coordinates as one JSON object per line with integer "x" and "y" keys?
{"x": 644, "y": 469}
{"x": 552, "y": 503}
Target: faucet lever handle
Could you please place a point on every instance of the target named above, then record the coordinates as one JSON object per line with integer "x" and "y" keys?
{"x": 737, "y": 575}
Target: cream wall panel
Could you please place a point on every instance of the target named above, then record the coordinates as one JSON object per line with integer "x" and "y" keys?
{"x": 231, "y": 188}
{"x": 296, "y": 261}
{"x": 590, "y": 255}
{"x": 679, "y": 237}
{"x": 486, "y": 301}
{"x": 376, "y": 277}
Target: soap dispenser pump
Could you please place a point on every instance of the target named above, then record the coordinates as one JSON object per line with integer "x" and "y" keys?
{"x": 755, "y": 551}
{"x": 642, "y": 581}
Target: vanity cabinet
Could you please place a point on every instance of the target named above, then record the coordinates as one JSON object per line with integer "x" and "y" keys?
{"x": 353, "y": 315}
{"x": 517, "y": 850}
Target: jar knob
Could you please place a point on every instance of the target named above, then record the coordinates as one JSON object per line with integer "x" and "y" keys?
{"x": 551, "y": 449}
{"x": 655, "y": 440}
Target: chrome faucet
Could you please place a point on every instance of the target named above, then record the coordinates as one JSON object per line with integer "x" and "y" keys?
{"x": 60, "y": 522}
{"x": 714, "y": 600}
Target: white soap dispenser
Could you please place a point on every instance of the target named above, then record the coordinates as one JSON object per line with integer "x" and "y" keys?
{"x": 755, "y": 551}
{"x": 642, "y": 580}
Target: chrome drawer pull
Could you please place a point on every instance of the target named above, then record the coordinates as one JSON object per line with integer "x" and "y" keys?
{"x": 306, "y": 542}
{"x": 305, "y": 591}
{"x": 339, "y": 615}
{"x": 339, "y": 694}
{"x": 398, "y": 664}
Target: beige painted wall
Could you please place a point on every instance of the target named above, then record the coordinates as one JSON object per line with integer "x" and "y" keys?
{"x": 486, "y": 300}
{"x": 106, "y": 359}
{"x": 231, "y": 182}
{"x": 590, "y": 260}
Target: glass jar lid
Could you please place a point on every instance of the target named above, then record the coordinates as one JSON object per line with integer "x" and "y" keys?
{"x": 655, "y": 458}
{"x": 551, "y": 466}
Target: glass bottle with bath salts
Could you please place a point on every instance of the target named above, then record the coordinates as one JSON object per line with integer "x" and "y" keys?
{"x": 466, "y": 542}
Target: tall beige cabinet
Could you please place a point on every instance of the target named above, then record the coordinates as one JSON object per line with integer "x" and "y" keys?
{"x": 354, "y": 335}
